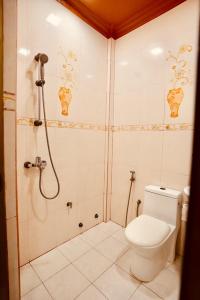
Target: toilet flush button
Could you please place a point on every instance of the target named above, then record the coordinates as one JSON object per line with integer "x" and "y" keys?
{"x": 162, "y": 188}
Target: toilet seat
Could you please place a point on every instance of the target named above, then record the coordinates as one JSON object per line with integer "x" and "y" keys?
{"x": 147, "y": 231}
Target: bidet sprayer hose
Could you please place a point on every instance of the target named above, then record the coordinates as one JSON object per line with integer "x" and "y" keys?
{"x": 50, "y": 156}
{"x": 132, "y": 179}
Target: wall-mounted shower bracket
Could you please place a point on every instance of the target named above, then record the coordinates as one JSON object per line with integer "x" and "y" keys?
{"x": 37, "y": 123}
{"x": 39, "y": 163}
{"x": 40, "y": 82}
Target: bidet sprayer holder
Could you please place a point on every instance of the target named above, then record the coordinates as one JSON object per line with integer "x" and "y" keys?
{"x": 39, "y": 163}
{"x": 132, "y": 176}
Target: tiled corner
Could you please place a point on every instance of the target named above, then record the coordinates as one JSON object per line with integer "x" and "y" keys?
{"x": 116, "y": 284}
{"x": 166, "y": 285}
{"x": 49, "y": 263}
{"x": 91, "y": 293}
{"x": 92, "y": 264}
{"x": 38, "y": 293}
{"x": 74, "y": 248}
{"x": 66, "y": 284}
{"x": 109, "y": 227}
{"x": 29, "y": 279}
{"x": 112, "y": 248}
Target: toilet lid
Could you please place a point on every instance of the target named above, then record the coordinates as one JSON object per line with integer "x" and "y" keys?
{"x": 147, "y": 231}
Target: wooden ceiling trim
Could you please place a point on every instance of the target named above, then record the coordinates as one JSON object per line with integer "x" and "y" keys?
{"x": 144, "y": 16}
{"x": 151, "y": 11}
{"x": 88, "y": 16}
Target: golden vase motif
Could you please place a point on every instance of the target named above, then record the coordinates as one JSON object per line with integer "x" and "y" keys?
{"x": 65, "y": 96}
{"x": 175, "y": 98}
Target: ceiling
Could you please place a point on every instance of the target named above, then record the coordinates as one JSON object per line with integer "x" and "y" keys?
{"x": 114, "y": 18}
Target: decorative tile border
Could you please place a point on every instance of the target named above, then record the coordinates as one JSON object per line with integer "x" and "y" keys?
{"x": 9, "y": 101}
{"x": 115, "y": 128}
{"x": 153, "y": 127}
{"x": 63, "y": 124}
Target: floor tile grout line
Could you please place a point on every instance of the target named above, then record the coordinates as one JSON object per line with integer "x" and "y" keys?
{"x": 87, "y": 288}
{"x": 100, "y": 292}
{"x": 98, "y": 276}
{"x": 48, "y": 291}
{"x": 152, "y": 291}
{"x": 71, "y": 261}
{"x": 134, "y": 291}
{"x": 108, "y": 257}
{"x": 36, "y": 276}
{"x": 31, "y": 290}
{"x": 56, "y": 273}
{"x": 43, "y": 280}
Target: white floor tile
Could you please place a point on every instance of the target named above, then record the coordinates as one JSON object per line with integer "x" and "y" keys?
{"x": 74, "y": 248}
{"x": 38, "y": 293}
{"x": 91, "y": 294}
{"x": 92, "y": 264}
{"x": 49, "y": 263}
{"x": 166, "y": 285}
{"x": 109, "y": 227}
{"x": 125, "y": 261}
{"x": 94, "y": 236}
{"x": 112, "y": 248}
{"x": 28, "y": 278}
{"x": 66, "y": 284}
{"x": 142, "y": 293}
{"x": 116, "y": 284}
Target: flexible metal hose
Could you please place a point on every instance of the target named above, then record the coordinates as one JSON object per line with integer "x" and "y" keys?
{"x": 129, "y": 195}
{"x": 50, "y": 156}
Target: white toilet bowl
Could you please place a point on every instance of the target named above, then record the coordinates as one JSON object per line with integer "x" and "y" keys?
{"x": 153, "y": 234}
{"x": 152, "y": 242}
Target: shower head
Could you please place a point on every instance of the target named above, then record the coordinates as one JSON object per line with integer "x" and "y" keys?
{"x": 42, "y": 57}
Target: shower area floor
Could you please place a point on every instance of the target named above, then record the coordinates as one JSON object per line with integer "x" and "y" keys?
{"x": 94, "y": 266}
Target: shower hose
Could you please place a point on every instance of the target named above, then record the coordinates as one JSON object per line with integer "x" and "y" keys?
{"x": 50, "y": 156}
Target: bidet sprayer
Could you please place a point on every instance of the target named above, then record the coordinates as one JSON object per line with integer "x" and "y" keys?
{"x": 132, "y": 176}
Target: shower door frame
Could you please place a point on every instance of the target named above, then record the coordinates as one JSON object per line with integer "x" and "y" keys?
{"x": 4, "y": 275}
{"x": 190, "y": 283}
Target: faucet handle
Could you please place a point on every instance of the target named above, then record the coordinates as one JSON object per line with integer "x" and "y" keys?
{"x": 43, "y": 164}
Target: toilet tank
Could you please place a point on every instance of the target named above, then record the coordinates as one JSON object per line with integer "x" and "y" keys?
{"x": 163, "y": 203}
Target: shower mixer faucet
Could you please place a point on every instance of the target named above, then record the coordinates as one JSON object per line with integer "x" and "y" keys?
{"x": 39, "y": 163}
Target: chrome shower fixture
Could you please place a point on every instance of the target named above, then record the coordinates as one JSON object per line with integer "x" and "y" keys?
{"x": 39, "y": 163}
{"x": 42, "y": 58}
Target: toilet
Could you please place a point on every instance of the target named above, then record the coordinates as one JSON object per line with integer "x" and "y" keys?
{"x": 153, "y": 234}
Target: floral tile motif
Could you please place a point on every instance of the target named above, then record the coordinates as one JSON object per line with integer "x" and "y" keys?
{"x": 181, "y": 76}
{"x": 68, "y": 71}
